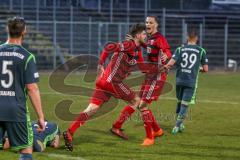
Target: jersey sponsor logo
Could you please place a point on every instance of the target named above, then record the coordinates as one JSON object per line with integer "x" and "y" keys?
{"x": 7, "y": 93}
{"x": 11, "y": 54}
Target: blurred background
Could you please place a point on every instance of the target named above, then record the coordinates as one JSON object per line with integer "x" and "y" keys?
{"x": 61, "y": 29}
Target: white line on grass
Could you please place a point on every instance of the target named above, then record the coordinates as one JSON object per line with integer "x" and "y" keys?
{"x": 62, "y": 156}
{"x": 165, "y": 98}
{"x": 205, "y": 101}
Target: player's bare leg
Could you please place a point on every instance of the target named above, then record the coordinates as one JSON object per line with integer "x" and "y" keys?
{"x": 79, "y": 121}
{"x": 6, "y": 144}
{"x": 125, "y": 114}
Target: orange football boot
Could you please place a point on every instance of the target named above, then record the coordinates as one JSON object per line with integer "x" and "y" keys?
{"x": 148, "y": 142}
{"x": 159, "y": 133}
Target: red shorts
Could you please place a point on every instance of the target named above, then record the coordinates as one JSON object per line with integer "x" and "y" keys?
{"x": 152, "y": 87}
{"x": 105, "y": 90}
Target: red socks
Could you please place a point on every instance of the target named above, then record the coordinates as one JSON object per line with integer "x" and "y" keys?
{"x": 125, "y": 114}
{"x": 80, "y": 120}
{"x": 149, "y": 123}
{"x": 147, "y": 120}
{"x": 155, "y": 125}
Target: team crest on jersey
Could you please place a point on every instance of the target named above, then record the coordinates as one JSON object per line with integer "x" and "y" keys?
{"x": 149, "y": 50}
{"x": 132, "y": 62}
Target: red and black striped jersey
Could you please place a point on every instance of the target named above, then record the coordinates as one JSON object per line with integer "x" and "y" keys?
{"x": 156, "y": 44}
{"x": 125, "y": 56}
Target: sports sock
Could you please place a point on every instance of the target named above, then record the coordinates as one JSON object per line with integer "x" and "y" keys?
{"x": 79, "y": 121}
{"x": 25, "y": 156}
{"x": 147, "y": 120}
{"x": 182, "y": 114}
{"x": 125, "y": 114}
{"x": 155, "y": 125}
{"x": 178, "y": 107}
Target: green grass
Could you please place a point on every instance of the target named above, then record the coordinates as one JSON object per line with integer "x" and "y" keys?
{"x": 212, "y": 128}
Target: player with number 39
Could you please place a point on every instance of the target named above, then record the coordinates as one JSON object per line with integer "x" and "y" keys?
{"x": 189, "y": 59}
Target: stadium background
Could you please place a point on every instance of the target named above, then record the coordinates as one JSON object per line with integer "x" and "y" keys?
{"x": 61, "y": 29}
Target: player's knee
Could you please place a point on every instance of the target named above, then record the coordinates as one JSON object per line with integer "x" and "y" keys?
{"x": 142, "y": 106}
{"x": 6, "y": 144}
{"x": 135, "y": 102}
{"x": 91, "y": 109}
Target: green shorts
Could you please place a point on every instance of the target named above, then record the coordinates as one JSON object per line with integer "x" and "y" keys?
{"x": 186, "y": 94}
{"x": 20, "y": 134}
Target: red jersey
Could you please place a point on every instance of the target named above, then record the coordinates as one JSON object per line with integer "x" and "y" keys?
{"x": 125, "y": 57}
{"x": 155, "y": 44}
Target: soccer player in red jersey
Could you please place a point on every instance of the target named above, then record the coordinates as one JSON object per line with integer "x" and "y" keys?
{"x": 158, "y": 51}
{"x": 126, "y": 55}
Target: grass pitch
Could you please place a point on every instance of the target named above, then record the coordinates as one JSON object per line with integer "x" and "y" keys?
{"x": 212, "y": 126}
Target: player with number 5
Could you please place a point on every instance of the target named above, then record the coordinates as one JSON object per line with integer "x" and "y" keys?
{"x": 189, "y": 60}
{"x": 18, "y": 79}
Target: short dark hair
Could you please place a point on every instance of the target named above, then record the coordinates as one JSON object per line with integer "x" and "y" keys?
{"x": 16, "y": 26}
{"x": 155, "y": 18}
{"x": 136, "y": 28}
{"x": 192, "y": 33}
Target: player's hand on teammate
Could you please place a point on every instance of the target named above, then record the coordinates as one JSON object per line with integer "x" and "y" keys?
{"x": 163, "y": 69}
{"x": 41, "y": 124}
{"x": 128, "y": 37}
{"x": 163, "y": 57}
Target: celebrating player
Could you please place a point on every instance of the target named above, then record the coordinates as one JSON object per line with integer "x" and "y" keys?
{"x": 49, "y": 137}
{"x": 109, "y": 83}
{"x": 19, "y": 78}
{"x": 188, "y": 59}
{"x": 158, "y": 52}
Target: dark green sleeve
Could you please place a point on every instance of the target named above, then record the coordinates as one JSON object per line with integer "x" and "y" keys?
{"x": 176, "y": 54}
{"x": 31, "y": 73}
{"x": 204, "y": 59}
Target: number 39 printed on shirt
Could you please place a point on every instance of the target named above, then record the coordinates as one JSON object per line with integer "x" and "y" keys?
{"x": 188, "y": 60}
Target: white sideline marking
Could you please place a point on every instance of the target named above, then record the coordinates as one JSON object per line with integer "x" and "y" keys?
{"x": 205, "y": 101}
{"x": 62, "y": 156}
{"x": 165, "y": 98}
